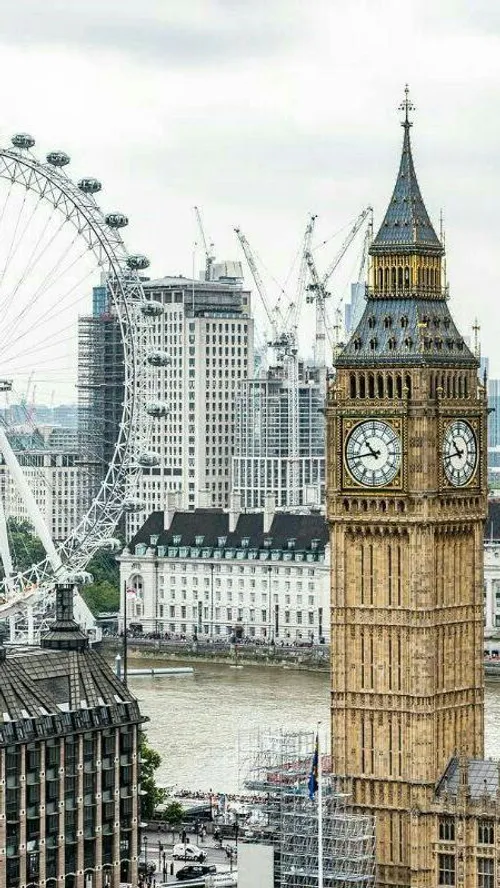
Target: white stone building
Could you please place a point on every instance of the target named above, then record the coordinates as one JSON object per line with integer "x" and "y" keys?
{"x": 207, "y": 332}
{"x": 214, "y": 574}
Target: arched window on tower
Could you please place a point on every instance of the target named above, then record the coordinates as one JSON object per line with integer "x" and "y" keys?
{"x": 380, "y": 385}
{"x": 407, "y": 277}
{"x": 390, "y": 386}
{"x": 400, "y": 278}
{"x": 408, "y": 385}
{"x": 352, "y": 385}
{"x": 418, "y": 276}
{"x": 399, "y": 386}
{"x": 371, "y": 385}
{"x": 380, "y": 278}
{"x": 362, "y": 385}
{"x": 386, "y": 279}
{"x": 393, "y": 278}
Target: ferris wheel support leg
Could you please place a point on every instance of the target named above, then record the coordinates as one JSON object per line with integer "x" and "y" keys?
{"x": 31, "y": 625}
{"x": 12, "y": 628}
{"x": 5, "y": 548}
{"x": 34, "y": 514}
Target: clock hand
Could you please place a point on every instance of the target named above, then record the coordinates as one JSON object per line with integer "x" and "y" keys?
{"x": 458, "y": 452}
{"x": 370, "y": 452}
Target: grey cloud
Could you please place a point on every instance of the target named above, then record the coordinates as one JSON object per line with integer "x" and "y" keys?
{"x": 156, "y": 29}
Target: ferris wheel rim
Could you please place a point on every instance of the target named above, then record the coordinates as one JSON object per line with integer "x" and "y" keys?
{"x": 53, "y": 185}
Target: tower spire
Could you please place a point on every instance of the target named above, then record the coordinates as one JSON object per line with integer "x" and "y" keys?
{"x": 406, "y": 106}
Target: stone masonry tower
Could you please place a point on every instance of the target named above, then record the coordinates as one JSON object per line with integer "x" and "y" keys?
{"x": 406, "y": 501}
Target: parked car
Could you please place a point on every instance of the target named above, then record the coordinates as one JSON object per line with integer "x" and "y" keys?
{"x": 188, "y": 852}
{"x": 195, "y": 871}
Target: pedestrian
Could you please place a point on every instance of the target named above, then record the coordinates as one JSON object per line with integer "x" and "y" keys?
{"x": 203, "y": 833}
{"x": 184, "y": 837}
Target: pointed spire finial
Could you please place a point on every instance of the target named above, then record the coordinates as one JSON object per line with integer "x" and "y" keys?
{"x": 406, "y": 106}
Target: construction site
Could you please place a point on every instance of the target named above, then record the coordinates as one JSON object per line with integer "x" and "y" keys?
{"x": 275, "y": 767}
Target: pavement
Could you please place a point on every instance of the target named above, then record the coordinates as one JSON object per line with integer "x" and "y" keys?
{"x": 158, "y": 849}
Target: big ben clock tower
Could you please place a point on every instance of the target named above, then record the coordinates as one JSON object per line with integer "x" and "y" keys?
{"x": 406, "y": 501}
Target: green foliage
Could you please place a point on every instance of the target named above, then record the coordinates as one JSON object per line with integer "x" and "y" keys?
{"x": 102, "y": 595}
{"x": 150, "y": 762}
{"x": 25, "y": 546}
{"x": 173, "y": 814}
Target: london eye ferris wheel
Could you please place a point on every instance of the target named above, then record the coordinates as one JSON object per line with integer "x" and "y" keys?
{"x": 55, "y": 244}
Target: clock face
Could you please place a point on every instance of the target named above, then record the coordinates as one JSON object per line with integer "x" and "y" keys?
{"x": 373, "y": 453}
{"x": 459, "y": 453}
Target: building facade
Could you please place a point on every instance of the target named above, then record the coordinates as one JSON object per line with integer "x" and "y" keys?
{"x": 263, "y": 463}
{"x": 59, "y": 482}
{"x": 211, "y": 574}
{"x": 101, "y": 375}
{"x": 69, "y": 764}
{"x": 207, "y": 332}
{"x": 406, "y": 503}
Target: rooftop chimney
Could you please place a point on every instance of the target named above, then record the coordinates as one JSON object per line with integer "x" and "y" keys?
{"x": 172, "y": 504}
{"x": 269, "y": 509}
{"x": 234, "y": 510}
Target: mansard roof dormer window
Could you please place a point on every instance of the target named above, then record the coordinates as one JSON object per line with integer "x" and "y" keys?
{"x": 373, "y": 344}
{"x": 392, "y": 343}
{"x": 387, "y": 322}
{"x": 357, "y": 343}
{"x": 372, "y": 322}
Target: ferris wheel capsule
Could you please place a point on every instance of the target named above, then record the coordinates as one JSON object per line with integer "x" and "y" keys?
{"x": 89, "y": 186}
{"x": 58, "y": 158}
{"x": 131, "y": 505}
{"x": 147, "y": 459}
{"x": 116, "y": 220}
{"x": 152, "y": 309}
{"x": 111, "y": 544}
{"x": 138, "y": 262}
{"x": 157, "y": 409}
{"x": 158, "y": 358}
{"x": 23, "y": 140}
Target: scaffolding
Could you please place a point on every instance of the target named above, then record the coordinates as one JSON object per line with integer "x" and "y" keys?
{"x": 275, "y": 768}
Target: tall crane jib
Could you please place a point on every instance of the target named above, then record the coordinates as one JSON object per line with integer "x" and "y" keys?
{"x": 317, "y": 291}
{"x": 208, "y": 247}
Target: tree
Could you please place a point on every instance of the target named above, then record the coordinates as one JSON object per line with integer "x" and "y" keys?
{"x": 150, "y": 762}
{"x": 173, "y": 814}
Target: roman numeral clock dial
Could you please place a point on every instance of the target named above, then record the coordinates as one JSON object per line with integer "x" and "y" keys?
{"x": 373, "y": 453}
{"x": 459, "y": 453}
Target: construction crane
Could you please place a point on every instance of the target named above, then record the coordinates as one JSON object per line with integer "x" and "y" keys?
{"x": 207, "y": 246}
{"x": 285, "y": 344}
{"x": 318, "y": 293}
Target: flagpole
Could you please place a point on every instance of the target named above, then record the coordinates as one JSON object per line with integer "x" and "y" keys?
{"x": 125, "y": 640}
{"x": 320, "y": 815}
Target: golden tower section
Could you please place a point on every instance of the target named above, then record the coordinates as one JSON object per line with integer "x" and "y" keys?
{"x": 405, "y": 275}
{"x": 406, "y": 502}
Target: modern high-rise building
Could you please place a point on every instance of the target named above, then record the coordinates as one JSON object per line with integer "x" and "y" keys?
{"x": 69, "y": 764}
{"x": 406, "y": 503}
{"x": 207, "y": 333}
{"x": 100, "y": 386}
{"x": 263, "y": 463}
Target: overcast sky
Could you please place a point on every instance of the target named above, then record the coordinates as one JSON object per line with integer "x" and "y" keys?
{"x": 261, "y": 111}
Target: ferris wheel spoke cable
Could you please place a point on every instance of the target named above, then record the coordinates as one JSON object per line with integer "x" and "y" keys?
{"x": 14, "y": 235}
{"x": 36, "y": 254}
{"x": 53, "y": 311}
{"x": 14, "y": 342}
{"x": 47, "y": 283}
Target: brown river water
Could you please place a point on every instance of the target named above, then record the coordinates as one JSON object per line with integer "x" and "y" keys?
{"x": 198, "y": 722}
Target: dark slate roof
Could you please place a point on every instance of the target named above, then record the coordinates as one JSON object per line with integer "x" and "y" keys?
{"x": 406, "y": 331}
{"x": 482, "y": 777}
{"x": 61, "y": 687}
{"x": 406, "y": 224}
{"x": 214, "y": 523}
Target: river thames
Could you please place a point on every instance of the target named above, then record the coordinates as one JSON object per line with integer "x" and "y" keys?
{"x": 199, "y": 721}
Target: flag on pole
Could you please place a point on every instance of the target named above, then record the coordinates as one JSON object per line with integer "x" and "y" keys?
{"x": 131, "y": 593}
{"x": 313, "y": 776}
